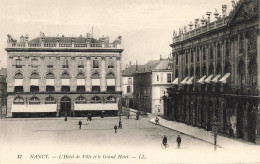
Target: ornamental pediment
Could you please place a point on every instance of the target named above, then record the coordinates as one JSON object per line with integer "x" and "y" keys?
{"x": 245, "y": 10}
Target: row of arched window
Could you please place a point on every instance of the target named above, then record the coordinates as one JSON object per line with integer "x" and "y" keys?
{"x": 65, "y": 75}
{"x": 51, "y": 100}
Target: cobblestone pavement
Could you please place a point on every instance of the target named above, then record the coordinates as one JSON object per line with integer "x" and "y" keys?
{"x": 139, "y": 141}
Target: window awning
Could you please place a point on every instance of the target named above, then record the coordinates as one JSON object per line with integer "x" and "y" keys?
{"x": 34, "y": 82}
{"x": 201, "y": 80}
{"x": 208, "y": 79}
{"x": 184, "y": 80}
{"x": 176, "y": 81}
{"x": 95, "y": 82}
{"x": 111, "y": 82}
{"x": 18, "y": 82}
{"x": 96, "y": 107}
{"x": 190, "y": 81}
{"x": 224, "y": 78}
{"x": 81, "y": 82}
{"x": 50, "y": 82}
{"x": 215, "y": 80}
{"x": 36, "y": 108}
{"x": 65, "y": 82}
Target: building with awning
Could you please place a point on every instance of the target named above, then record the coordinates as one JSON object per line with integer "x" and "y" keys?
{"x": 201, "y": 80}
{"x": 96, "y": 107}
{"x": 47, "y": 75}
{"x": 224, "y": 52}
{"x": 224, "y": 78}
{"x": 189, "y": 82}
{"x": 184, "y": 80}
{"x": 176, "y": 81}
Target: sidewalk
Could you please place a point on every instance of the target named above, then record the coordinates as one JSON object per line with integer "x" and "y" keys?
{"x": 207, "y": 136}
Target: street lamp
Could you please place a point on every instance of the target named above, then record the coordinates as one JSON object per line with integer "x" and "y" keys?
{"x": 215, "y": 126}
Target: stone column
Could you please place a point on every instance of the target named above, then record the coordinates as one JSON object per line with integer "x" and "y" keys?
{"x": 88, "y": 86}
{"x": 103, "y": 75}
{"x": 57, "y": 67}
{"x": 223, "y": 48}
{"x": 200, "y": 57}
{"x": 207, "y": 59}
{"x": 236, "y": 51}
{"x": 258, "y": 62}
{"x": 246, "y": 60}
{"x": 232, "y": 62}
{"x": 26, "y": 75}
{"x": 118, "y": 74}
{"x": 73, "y": 74}
{"x": 42, "y": 74}
{"x": 214, "y": 45}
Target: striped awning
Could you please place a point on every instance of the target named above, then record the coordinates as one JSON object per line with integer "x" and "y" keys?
{"x": 50, "y": 82}
{"x": 201, "y": 80}
{"x": 65, "y": 82}
{"x": 215, "y": 80}
{"x": 176, "y": 81}
{"x": 95, "y": 107}
{"x": 18, "y": 82}
{"x": 34, "y": 82}
{"x": 184, "y": 80}
{"x": 81, "y": 82}
{"x": 224, "y": 78}
{"x": 208, "y": 79}
{"x": 35, "y": 108}
{"x": 189, "y": 82}
{"x": 95, "y": 82}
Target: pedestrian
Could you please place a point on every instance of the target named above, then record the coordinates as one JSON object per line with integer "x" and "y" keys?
{"x": 80, "y": 123}
{"x": 157, "y": 121}
{"x": 128, "y": 114}
{"x": 115, "y": 127}
{"x": 164, "y": 141}
{"x": 178, "y": 141}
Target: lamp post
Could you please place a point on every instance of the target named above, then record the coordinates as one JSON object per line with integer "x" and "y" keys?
{"x": 215, "y": 126}
{"x": 119, "y": 105}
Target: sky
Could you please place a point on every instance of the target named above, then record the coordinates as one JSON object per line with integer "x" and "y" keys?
{"x": 146, "y": 26}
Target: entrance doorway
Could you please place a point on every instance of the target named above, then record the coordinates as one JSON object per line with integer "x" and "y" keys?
{"x": 65, "y": 106}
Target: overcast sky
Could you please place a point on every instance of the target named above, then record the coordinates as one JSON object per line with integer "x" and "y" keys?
{"x": 146, "y": 26}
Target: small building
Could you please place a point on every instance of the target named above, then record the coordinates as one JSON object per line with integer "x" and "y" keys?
{"x": 150, "y": 85}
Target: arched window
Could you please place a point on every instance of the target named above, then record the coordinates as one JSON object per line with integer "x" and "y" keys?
{"x": 198, "y": 71}
{"x": 218, "y": 51}
{"x": 34, "y": 100}
{"x": 198, "y": 55}
{"x": 35, "y": 75}
{"x": 204, "y": 69}
{"x": 211, "y": 69}
{"x": 18, "y": 100}
{"x": 65, "y": 75}
{"x": 50, "y": 75}
{"x": 95, "y": 99}
{"x": 227, "y": 67}
{"x": 191, "y": 71}
{"x": 227, "y": 48}
{"x": 204, "y": 53}
{"x": 110, "y": 99}
{"x": 241, "y": 72}
{"x": 18, "y": 75}
{"x": 176, "y": 73}
{"x": 81, "y": 100}
{"x": 218, "y": 69}
{"x": 95, "y": 75}
{"x": 186, "y": 71}
{"x": 50, "y": 100}
{"x": 211, "y": 53}
{"x": 110, "y": 75}
{"x": 80, "y": 75}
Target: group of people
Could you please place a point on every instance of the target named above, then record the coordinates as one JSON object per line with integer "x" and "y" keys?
{"x": 89, "y": 119}
{"x": 178, "y": 140}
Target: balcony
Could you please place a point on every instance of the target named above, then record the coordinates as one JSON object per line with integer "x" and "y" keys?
{"x": 18, "y": 66}
{"x": 65, "y": 66}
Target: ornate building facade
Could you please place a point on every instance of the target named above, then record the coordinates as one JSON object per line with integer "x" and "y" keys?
{"x": 57, "y": 76}
{"x": 217, "y": 73}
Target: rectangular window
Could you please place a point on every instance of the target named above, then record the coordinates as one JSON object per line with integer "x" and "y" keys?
{"x": 34, "y": 63}
{"x": 110, "y": 64}
{"x": 95, "y": 64}
{"x": 169, "y": 78}
{"x": 50, "y": 89}
{"x": 129, "y": 80}
{"x": 65, "y": 64}
{"x": 128, "y": 89}
{"x": 157, "y": 77}
{"x": 80, "y": 64}
{"x": 18, "y": 63}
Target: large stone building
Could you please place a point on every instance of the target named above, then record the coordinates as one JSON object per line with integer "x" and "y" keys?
{"x": 3, "y": 92}
{"x": 150, "y": 85}
{"x": 217, "y": 73}
{"x": 57, "y": 76}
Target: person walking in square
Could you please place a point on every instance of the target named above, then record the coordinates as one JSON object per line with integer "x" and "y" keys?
{"x": 115, "y": 127}
{"x": 80, "y": 123}
{"x": 157, "y": 121}
{"x": 178, "y": 141}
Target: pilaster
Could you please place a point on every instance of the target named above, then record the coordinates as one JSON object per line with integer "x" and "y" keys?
{"x": 88, "y": 74}
{"x": 103, "y": 75}
{"x": 118, "y": 74}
